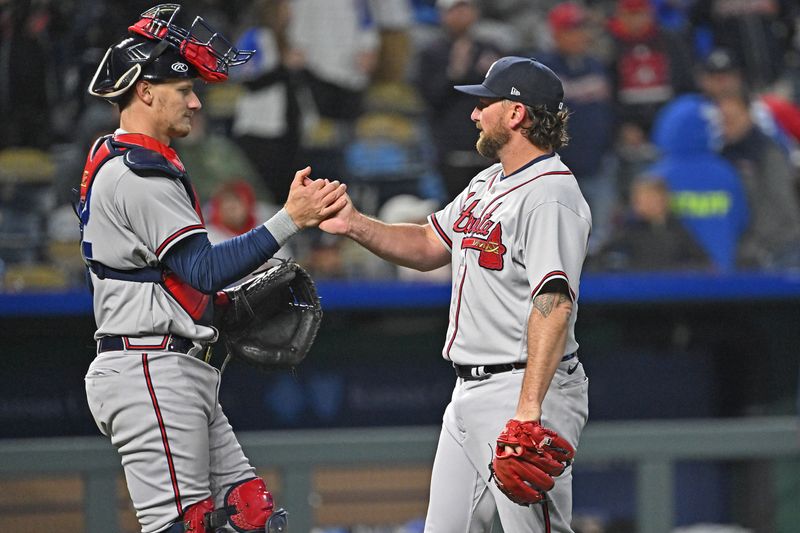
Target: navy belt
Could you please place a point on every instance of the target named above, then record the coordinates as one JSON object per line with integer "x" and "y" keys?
{"x": 476, "y": 372}
{"x": 171, "y": 343}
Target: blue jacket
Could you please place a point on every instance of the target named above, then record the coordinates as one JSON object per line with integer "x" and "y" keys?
{"x": 588, "y": 96}
{"x": 707, "y": 193}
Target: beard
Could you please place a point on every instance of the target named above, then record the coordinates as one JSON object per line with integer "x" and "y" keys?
{"x": 489, "y": 144}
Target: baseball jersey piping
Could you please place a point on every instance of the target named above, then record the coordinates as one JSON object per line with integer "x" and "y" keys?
{"x": 175, "y": 237}
{"x": 457, "y": 314}
{"x": 558, "y": 274}
{"x": 546, "y": 516}
{"x": 499, "y": 196}
{"x": 164, "y": 440}
{"x": 441, "y": 232}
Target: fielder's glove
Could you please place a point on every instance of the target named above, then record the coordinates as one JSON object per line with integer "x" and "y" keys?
{"x": 271, "y": 320}
{"x": 525, "y": 475}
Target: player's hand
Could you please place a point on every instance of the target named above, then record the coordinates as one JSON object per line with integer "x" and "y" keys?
{"x": 312, "y": 201}
{"x": 341, "y": 221}
{"x": 527, "y": 458}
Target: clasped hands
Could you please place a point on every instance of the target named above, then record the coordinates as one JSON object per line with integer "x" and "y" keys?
{"x": 312, "y": 201}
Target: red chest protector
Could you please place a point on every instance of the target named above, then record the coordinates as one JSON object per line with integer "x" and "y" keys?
{"x": 145, "y": 155}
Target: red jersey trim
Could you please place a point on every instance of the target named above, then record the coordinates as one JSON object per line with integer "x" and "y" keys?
{"x": 172, "y": 239}
{"x": 492, "y": 180}
{"x": 499, "y": 196}
{"x": 438, "y": 228}
{"x": 555, "y": 274}
{"x": 457, "y": 315}
{"x": 161, "y": 346}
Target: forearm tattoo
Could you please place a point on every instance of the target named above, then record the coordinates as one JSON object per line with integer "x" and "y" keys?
{"x": 546, "y": 302}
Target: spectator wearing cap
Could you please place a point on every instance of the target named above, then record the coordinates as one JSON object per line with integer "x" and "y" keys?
{"x": 772, "y": 240}
{"x": 721, "y": 74}
{"x": 650, "y": 65}
{"x": 758, "y": 33}
{"x": 455, "y": 57}
{"x": 588, "y": 94}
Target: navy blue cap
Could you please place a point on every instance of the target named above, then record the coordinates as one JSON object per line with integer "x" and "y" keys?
{"x": 521, "y": 79}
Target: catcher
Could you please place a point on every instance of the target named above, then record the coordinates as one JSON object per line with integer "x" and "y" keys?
{"x": 152, "y": 389}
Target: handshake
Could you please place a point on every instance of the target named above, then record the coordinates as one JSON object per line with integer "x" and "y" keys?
{"x": 318, "y": 203}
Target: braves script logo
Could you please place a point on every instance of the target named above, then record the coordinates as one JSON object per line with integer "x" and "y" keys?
{"x": 491, "y": 246}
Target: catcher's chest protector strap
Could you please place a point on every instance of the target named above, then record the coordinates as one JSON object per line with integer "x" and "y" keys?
{"x": 104, "y": 150}
{"x": 148, "y": 156}
{"x": 145, "y": 156}
{"x": 141, "y": 154}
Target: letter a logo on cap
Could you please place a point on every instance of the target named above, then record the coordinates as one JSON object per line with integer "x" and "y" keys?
{"x": 490, "y": 69}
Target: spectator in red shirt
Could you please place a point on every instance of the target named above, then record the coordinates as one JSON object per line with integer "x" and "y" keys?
{"x": 650, "y": 64}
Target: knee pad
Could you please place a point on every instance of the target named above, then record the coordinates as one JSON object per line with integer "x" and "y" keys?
{"x": 194, "y": 519}
{"x": 249, "y": 507}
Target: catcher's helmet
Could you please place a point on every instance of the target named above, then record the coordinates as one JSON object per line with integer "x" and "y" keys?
{"x": 159, "y": 49}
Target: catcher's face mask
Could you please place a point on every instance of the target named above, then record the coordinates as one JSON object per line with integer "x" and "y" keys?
{"x": 160, "y": 49}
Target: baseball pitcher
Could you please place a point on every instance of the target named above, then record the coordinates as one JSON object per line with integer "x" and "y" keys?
{"x": 153, "y": 387}
{"x": 516, "y": 240}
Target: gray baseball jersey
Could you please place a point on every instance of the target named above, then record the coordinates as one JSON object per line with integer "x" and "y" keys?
{"x": 134, "y": 221}
{"x": 159, "y": 406}
{"x": 508, "y": 237}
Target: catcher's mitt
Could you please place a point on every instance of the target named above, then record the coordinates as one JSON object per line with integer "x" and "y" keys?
{"x": 525, "y": 475}
{"x": 271, "y": 320}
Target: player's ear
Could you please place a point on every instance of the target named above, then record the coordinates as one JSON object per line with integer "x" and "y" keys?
{"x": 144, "y": 90}
{"x": 518, "y": 115}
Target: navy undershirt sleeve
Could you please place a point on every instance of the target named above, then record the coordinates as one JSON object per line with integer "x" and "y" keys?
{"x": 209, "y": 268}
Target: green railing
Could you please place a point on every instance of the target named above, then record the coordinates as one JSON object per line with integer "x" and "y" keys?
{"x": 652, "y": 446}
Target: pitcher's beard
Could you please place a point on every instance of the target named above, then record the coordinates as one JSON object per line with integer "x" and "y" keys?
{"x": 489, "y": 144}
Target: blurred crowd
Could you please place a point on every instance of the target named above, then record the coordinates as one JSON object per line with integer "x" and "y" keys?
{"x": 685, "y": 124}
